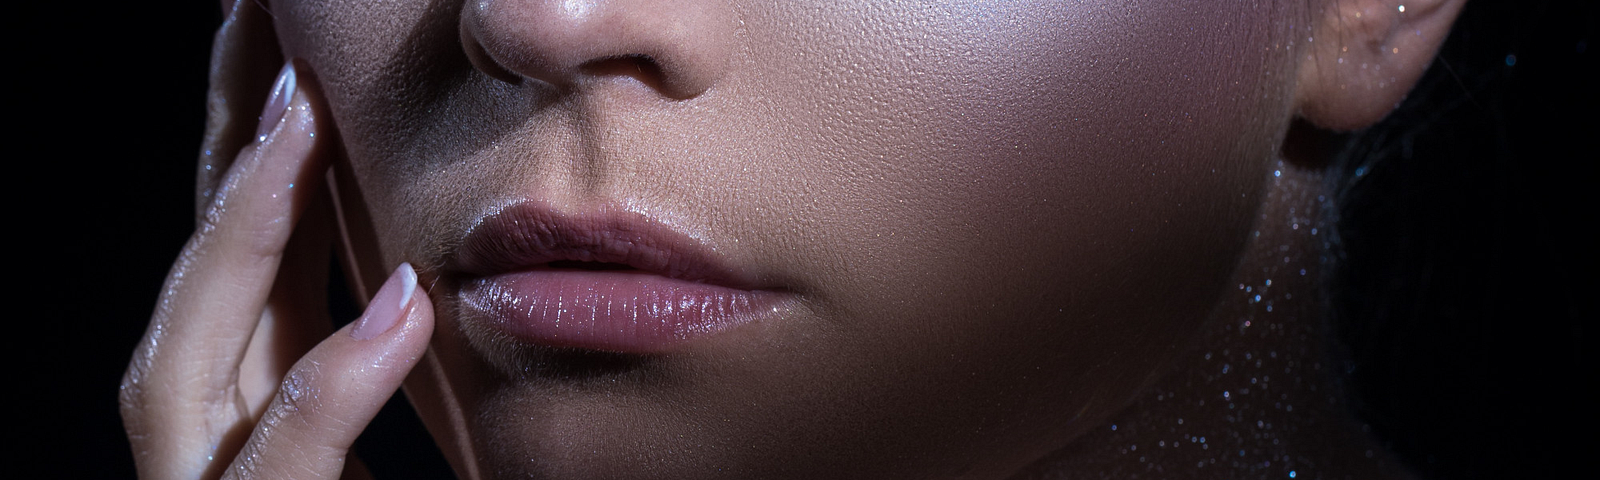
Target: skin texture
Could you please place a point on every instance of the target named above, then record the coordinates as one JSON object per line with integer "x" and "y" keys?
{"x": 999, "y": 222}
{"x": 869, "y": 188}
{"x": 229, "y": 380}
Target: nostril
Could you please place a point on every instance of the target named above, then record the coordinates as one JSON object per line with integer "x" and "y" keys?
{"x": 676, "y": 47}
{"x": 480, "y": 57}
{"x": 641, "y": 67}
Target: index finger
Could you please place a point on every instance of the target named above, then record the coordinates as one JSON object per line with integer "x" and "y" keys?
{"x": 178, "y": 392}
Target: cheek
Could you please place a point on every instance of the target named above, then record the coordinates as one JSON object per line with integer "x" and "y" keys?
{"x": 1041, "y": 202}
{"x": 1068, "y": 164}
{"x": 1014, "y": 195}
{"x": 392, "y": 72}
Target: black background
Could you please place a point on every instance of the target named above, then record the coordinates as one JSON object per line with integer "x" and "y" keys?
{"x": 1464, "y": 295}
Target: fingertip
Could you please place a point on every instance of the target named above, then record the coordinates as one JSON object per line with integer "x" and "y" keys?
{"x": 283, "y": 89}
{"x": 417, "y": 312}
{"x": 408, "y": 282}
{"x": 389, "y": 306}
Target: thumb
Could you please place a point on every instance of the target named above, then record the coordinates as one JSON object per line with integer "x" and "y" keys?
{"x": 332, "y": 393}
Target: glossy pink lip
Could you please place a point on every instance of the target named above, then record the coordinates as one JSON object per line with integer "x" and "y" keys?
{"x": 610, "y": 280}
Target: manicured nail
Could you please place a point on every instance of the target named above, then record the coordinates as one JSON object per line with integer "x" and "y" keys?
{"x": 389, "y": 305}
{"x": 278, "y": 103}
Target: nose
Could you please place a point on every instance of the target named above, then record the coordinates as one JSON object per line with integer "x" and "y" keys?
{"x": 680, "y": 48}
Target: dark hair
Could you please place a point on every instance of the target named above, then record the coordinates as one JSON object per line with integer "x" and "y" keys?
{"x": 1457, "y": 256}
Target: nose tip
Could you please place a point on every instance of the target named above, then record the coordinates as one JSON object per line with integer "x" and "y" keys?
{"x": 677, "y": 47}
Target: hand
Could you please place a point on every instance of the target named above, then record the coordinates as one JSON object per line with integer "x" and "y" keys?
{"x": 210, "y": 392}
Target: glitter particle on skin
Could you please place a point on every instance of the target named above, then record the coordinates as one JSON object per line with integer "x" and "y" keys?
{"x": 1266, "y": 447}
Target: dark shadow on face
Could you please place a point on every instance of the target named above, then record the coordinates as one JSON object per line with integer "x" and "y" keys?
{"x": 569, "y": 365}
{"x": 1307, "y": 146}
{"x": 418, "y": 82}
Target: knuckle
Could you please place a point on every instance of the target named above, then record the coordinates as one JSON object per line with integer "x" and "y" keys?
{"x": 257, "y": 226}
{"x": 249, "y": 463}
{"x": 130, "y": 397}
{"x": 133, "y": 392}
{"x": 258, "y": 236}
{"x": 298, "y": 394}
{"x": 130, "y": 393}
{"x": 213, "y": 215}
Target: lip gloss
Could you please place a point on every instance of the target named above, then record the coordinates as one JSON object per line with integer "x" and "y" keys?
{"x": 656, "y": 287}
{"x": 622, "y": 311}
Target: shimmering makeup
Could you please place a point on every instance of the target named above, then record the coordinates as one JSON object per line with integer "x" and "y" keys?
{"x": 1001, "y": 207}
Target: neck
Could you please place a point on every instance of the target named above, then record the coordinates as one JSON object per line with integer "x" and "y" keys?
{"x": 1258, "y": 395}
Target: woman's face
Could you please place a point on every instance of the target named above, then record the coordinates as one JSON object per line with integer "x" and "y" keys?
{"x": 953, "y": 235}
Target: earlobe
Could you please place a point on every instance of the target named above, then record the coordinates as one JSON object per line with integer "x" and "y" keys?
{"x": 1365, "y": 55}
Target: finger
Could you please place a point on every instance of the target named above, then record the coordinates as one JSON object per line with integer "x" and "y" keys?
{"x": 296, "y": 315}
{"x": 331, "y": 394}
{"x": 244, "y": 59}
{"x": 178, "y": 395}
{"x": 223, "y": 276}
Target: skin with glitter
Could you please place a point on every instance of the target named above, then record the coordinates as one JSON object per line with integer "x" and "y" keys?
{"x": 947, "y": 239}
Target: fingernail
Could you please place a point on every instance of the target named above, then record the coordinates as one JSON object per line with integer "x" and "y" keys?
{"x": 389, "y": 305}
{"x": 278, "y": 103}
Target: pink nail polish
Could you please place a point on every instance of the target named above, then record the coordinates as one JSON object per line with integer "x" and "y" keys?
{"x": 389, "y": 305}
{"x": 278, "y": 103}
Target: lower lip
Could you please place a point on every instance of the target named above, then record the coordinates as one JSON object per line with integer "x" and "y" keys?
{"x": 619, "y": 311}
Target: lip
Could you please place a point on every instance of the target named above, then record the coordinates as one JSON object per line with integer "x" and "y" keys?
{"x": 530, "y": 271}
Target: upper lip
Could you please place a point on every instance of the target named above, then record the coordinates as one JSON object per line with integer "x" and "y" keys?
{"x": 530, "y": 234}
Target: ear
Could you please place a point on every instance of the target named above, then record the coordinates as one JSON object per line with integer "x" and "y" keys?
{"x": 244, "y": 63}
{"x": 1364, "y": 55}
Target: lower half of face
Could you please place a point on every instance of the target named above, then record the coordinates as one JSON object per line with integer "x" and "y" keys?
{"x": 969, "y": 230}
